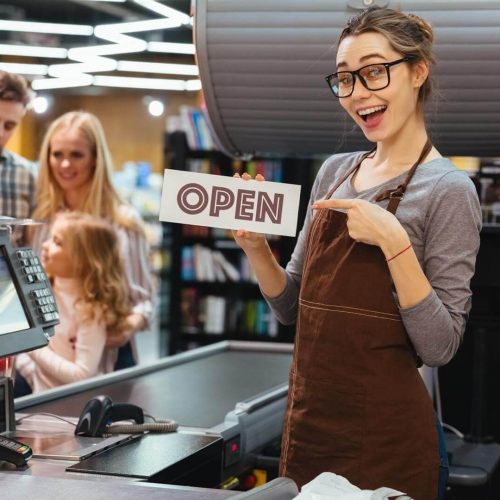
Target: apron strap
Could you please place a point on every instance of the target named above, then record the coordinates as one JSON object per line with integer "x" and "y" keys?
{"x": 396, "y": 195}
{"x": 344, "y": 177}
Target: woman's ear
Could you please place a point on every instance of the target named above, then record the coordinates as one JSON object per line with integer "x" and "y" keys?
{"x": 420, "y": 72}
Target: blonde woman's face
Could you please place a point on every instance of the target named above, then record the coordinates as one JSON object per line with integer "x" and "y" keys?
{"x": 71, "y": 160}
{"x": 56, "y": 256}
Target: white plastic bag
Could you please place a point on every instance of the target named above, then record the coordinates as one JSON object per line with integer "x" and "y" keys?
{"x": 330, "y": 486}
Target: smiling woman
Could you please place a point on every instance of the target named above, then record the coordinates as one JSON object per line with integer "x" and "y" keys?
{"x": 379, "y": 278}
{"x": 72, "y": 165}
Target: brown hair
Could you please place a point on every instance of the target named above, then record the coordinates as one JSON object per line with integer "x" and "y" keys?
{"x": 407, "y": 34}
{"x": 93, "y": 245}
{"x": 14, "y": 88}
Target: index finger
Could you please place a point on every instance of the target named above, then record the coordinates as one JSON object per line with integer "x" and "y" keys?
{"x": 345, "y": 204}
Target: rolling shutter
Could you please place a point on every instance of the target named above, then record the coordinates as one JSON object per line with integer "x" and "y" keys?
{"x": 262, "y": 66}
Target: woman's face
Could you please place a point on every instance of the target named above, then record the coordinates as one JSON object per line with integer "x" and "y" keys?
{"x": 71, "y": 160}
{"x": 56, "y": 256}
{"x": 380, "y": 114}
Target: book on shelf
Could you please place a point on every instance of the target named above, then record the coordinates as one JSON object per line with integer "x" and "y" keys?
{"x": 201, "y": 263}
{"x": 195, "y": 231}
{"x": 187, "y": 264}
{"x": 195, "y": 126}
{"x": 228, "y": 270}
{"x": 215, "y": 312}
{"x": 216, "y": 315}
{"x": 189, "y": 310}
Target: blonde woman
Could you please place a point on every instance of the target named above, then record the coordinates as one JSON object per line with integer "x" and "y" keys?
{"x": 75, "y": 175}
{"x": 82, "y": 259}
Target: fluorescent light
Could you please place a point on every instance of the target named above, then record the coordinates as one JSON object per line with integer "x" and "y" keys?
{"x": 61, "y": 83}
{"x": 118, "y": 1}
{"x": 25, "y": 69}
{"x": 139, "y": 83}
{"x": 151, "y": 67}
{"x": 163, "y": 10}
{"x": 55, "y": 28}
{"x": 136, "y": 26}
{"x": 171, "y": 48}
{"x": 91, "y": 65}
{"x": 193, "y": 85}
{"x": 128, "y": 45}
{"x": 33, "y": 51}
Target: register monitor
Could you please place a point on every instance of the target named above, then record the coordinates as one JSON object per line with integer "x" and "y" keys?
{"x": 28, "y": 311}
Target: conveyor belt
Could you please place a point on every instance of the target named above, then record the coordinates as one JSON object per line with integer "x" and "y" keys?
{"x": 195, "y": 393}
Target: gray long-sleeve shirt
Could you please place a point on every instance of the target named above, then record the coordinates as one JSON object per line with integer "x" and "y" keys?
{"x": 441, "y": 213}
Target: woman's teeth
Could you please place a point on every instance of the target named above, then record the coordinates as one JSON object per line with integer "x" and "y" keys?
{"x": 368, "y": 111}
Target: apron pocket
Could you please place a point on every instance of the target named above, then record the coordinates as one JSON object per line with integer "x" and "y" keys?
{"x": 326, "y": 419}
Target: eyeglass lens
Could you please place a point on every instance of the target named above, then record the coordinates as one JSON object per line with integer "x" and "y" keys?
{"x": 373, "y": 77}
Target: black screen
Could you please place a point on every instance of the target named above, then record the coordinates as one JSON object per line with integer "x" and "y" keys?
{"x": 12, "y": 315}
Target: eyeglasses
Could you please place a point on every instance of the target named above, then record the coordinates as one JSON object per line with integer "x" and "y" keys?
{"x": 372, "y": 76}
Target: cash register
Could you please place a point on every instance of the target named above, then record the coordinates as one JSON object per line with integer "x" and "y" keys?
{"x": 28, "y": 315}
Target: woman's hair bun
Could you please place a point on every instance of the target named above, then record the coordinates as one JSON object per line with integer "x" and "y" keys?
{"x": 423, "y": 26}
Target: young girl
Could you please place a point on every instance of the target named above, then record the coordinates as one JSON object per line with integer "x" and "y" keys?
{"x": 81, "y": 258}
{"x": 380, "y": 274}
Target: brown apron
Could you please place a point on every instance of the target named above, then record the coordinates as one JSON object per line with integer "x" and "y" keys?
{"x": 357, "y": 405}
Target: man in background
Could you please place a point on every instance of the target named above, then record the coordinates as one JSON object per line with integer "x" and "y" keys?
{"x": 17, "y": 175}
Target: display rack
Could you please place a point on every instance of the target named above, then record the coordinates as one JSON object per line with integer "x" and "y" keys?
{"x": 213, "y": 293}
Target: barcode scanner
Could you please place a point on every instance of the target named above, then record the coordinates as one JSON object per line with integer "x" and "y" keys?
{"x": 100, "y": 412}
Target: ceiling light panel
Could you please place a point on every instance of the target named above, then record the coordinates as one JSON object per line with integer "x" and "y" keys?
{"x": 171, "y": 48}
{"x": 25, "y": 69}
{"x": 61, "y": 83}
{"x": 152, "y": 67}
{"x": 164, "y": 10}
{"x": 91, "y": 65}
{"x": 81, "y": 62}
{"x": 103, "y": 30}
{"x": 52, "y": 28}
{"x": 33, "y": 51}
{"x": 141, "y": 83}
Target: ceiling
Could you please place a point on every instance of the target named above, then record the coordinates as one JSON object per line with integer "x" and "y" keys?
{"x": 129, "y": 35}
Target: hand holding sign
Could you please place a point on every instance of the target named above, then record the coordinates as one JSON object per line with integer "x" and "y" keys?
{"x": 248, "y": 240}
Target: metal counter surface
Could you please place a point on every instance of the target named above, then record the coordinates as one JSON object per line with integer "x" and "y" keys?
{"x": 198, "y": 393}
{"x": 51, "y": 488}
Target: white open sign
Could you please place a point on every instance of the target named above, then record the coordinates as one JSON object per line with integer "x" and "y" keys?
{"x": 229, "y": 203}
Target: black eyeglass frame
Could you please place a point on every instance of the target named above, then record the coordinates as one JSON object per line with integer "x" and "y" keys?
{"x": 361, "y": 79}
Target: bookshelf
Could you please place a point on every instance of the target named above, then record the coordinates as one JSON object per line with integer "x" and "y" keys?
{"x": 213, "y": 293}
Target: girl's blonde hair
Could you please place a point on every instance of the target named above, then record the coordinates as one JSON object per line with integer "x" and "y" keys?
{"x": 408, "y": 34}
{"x": 93, "y": 245}
{"x": 102, "y": 199}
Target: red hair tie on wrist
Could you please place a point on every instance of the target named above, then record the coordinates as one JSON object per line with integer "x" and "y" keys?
{"x": 399, "y": 253}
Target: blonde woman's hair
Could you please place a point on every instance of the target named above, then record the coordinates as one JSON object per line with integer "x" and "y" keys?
{"x": 408, "y": 34}
{"x": 102, "y": 199}
{"x": 93, "y": 245}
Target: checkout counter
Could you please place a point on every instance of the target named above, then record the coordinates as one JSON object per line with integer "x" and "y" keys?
{"x": 229, "y": 401}
{"x": 228, "y": 398}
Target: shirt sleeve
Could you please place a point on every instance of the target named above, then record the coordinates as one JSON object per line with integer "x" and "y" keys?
{"x": 26, "y": 367}
{"x": 452, "y": 235}
{"x": 89, "y": 348}
{"x": 138, "y": 276}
